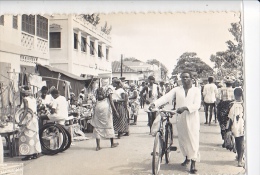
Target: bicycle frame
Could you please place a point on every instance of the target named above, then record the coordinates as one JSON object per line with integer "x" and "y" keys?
{"x": 162, "y": 141}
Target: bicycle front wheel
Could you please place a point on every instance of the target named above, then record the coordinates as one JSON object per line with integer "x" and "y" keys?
{"x": 168, "y": 143}
{"x": 157, "y": 154}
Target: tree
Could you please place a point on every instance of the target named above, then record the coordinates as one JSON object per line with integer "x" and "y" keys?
{"x": 105, "y": 29}
{"x": 131, "y": 59}
{"x": 230, "y": 61}
{"x": 190, "y": 61}
{"x": 163, "y": 68}
{"x": 92, "y": 18}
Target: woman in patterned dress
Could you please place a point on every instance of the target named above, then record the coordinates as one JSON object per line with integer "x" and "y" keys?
{"x": 120, "y": 98}
{"x": 29, "y": 143}
{"x": 102, "y": 120}
{"x": 226, "y": 96}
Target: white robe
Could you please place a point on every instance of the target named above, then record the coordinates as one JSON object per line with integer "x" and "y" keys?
{"x": 188, "y": 123}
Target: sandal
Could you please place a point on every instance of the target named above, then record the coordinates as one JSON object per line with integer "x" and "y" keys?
{"x": 35, "y": 156}
{"x": 114, "y": 145}
{"x": 27, "y": 158}
{"x": 98, "y": 148}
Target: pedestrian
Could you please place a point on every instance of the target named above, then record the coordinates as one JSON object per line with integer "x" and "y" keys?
{"x": 188, "y": 99}
{"x": 152, "y": 92}
{"x": 102, "y": 120}
{"x": 226, "y": 96}
{"x": 209, "y": 93}
{"x": 161, "y": 90}
{"x": 236, "y": 124}
{"x": 142, "y": 96}
{"x": 134, "y": 104}
{"x": 120, "y": 98}
{"x": 29, "y": 142}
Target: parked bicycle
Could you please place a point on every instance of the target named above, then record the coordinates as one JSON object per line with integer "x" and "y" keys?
{"x": 163, "y": 140}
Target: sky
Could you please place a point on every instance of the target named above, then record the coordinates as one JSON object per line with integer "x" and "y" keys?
{"x": 166, "y": 36}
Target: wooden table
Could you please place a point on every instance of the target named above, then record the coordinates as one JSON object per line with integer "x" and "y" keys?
{"x": 7, "y": 135}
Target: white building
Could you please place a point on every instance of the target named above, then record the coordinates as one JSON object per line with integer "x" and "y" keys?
{"x": 23, "y": 42}
{"x": 78, "y": 47}
{"x": 144, "y": 69}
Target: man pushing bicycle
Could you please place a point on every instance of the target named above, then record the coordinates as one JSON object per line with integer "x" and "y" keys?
{"x": 188, "y": 100}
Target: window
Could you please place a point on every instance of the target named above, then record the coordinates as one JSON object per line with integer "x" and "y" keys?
{"x": 92, "y": 48}
{"x": 15, "y": 22}
{"x": 100, "y": 54}
{"x": 55, "y": 41}
{"x": 75, "y": 41}
{"x": 2, "y": 20}
{"x": 28, "y": 24}
{"x": 42, "y": 27}
{"x": 83, "y": 44}
{"x": 107, "y": 53}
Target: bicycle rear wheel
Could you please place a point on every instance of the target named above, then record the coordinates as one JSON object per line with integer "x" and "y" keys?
{"x": 50, "y": 136}
{"x": 157, "y": 154}
{"x": 168, "y": 143}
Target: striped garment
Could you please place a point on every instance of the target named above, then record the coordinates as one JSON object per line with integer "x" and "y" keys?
{"x": 121, "y": 124}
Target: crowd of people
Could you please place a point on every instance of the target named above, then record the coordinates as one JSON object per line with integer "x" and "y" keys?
{"x": 115, "y": 104}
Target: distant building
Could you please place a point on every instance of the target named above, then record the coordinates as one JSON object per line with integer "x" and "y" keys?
{"x": 144, "y": 69}
{"x": 78, "y": 47}
{"x": 24, "y": 41}
{"x": 128, "y": 73}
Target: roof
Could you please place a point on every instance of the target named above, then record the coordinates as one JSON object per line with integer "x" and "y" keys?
{"x": 136, "y": 63}
{"x": 116, "y": 67}
{"x": 53, "y": 69}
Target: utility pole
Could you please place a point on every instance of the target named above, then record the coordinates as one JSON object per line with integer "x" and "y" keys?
{"x": 121, "y": 70}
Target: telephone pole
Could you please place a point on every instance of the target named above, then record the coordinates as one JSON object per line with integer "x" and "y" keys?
{"x": 121, "y": 70}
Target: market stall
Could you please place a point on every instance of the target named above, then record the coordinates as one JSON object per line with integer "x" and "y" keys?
{"x": 67, "y": 84}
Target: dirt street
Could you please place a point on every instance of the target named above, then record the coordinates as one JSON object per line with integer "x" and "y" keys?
{"x": 132, "y": 157}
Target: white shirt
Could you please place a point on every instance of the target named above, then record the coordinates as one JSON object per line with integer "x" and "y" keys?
{"x": 210, "y": 92}
{"x": 48, "y": 99}
{"x": 236, "y": 114}
{"x": 61, "y": 106}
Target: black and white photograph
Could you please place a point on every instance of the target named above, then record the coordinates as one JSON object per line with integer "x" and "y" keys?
{"x": 129, "y": 87}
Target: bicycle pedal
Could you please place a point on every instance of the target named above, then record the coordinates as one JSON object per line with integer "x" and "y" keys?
{"x": 173, "y": 148}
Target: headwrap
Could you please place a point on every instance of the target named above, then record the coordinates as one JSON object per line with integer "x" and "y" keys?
{"x": 229, "y": 79}
{"x": 132, "y": 85}
{"x": 151, "y": 77}
{"x": 104, "y": 82}
{"x": 26, "y": 92}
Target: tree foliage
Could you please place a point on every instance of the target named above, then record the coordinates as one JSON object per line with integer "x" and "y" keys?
{"x": 158, "y": 63}
{"x": 230, "y": 62}
{"x": 105, "y": 29}
{"x": 92, "y": 18}
{"x": 131, "y": 59}
{"x": 190, "y": 61}
{"x": 163, "y": 68}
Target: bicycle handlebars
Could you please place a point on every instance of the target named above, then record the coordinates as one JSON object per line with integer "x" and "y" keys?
{"x": 172, "y": 112}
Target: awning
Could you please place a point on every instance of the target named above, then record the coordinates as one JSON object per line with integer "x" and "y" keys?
{"x": 77, "y": 83}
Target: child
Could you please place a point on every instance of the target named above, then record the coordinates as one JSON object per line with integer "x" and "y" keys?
{"x": 235, "y": 124}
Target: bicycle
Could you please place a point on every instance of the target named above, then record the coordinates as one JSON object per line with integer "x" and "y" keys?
{"x": 163, "y": 140}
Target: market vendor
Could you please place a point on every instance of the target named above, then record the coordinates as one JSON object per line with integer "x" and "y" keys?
{"x": 44, "y": 103}
{"x": 29, "y": 143}
{"x": 59, "y": 108}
